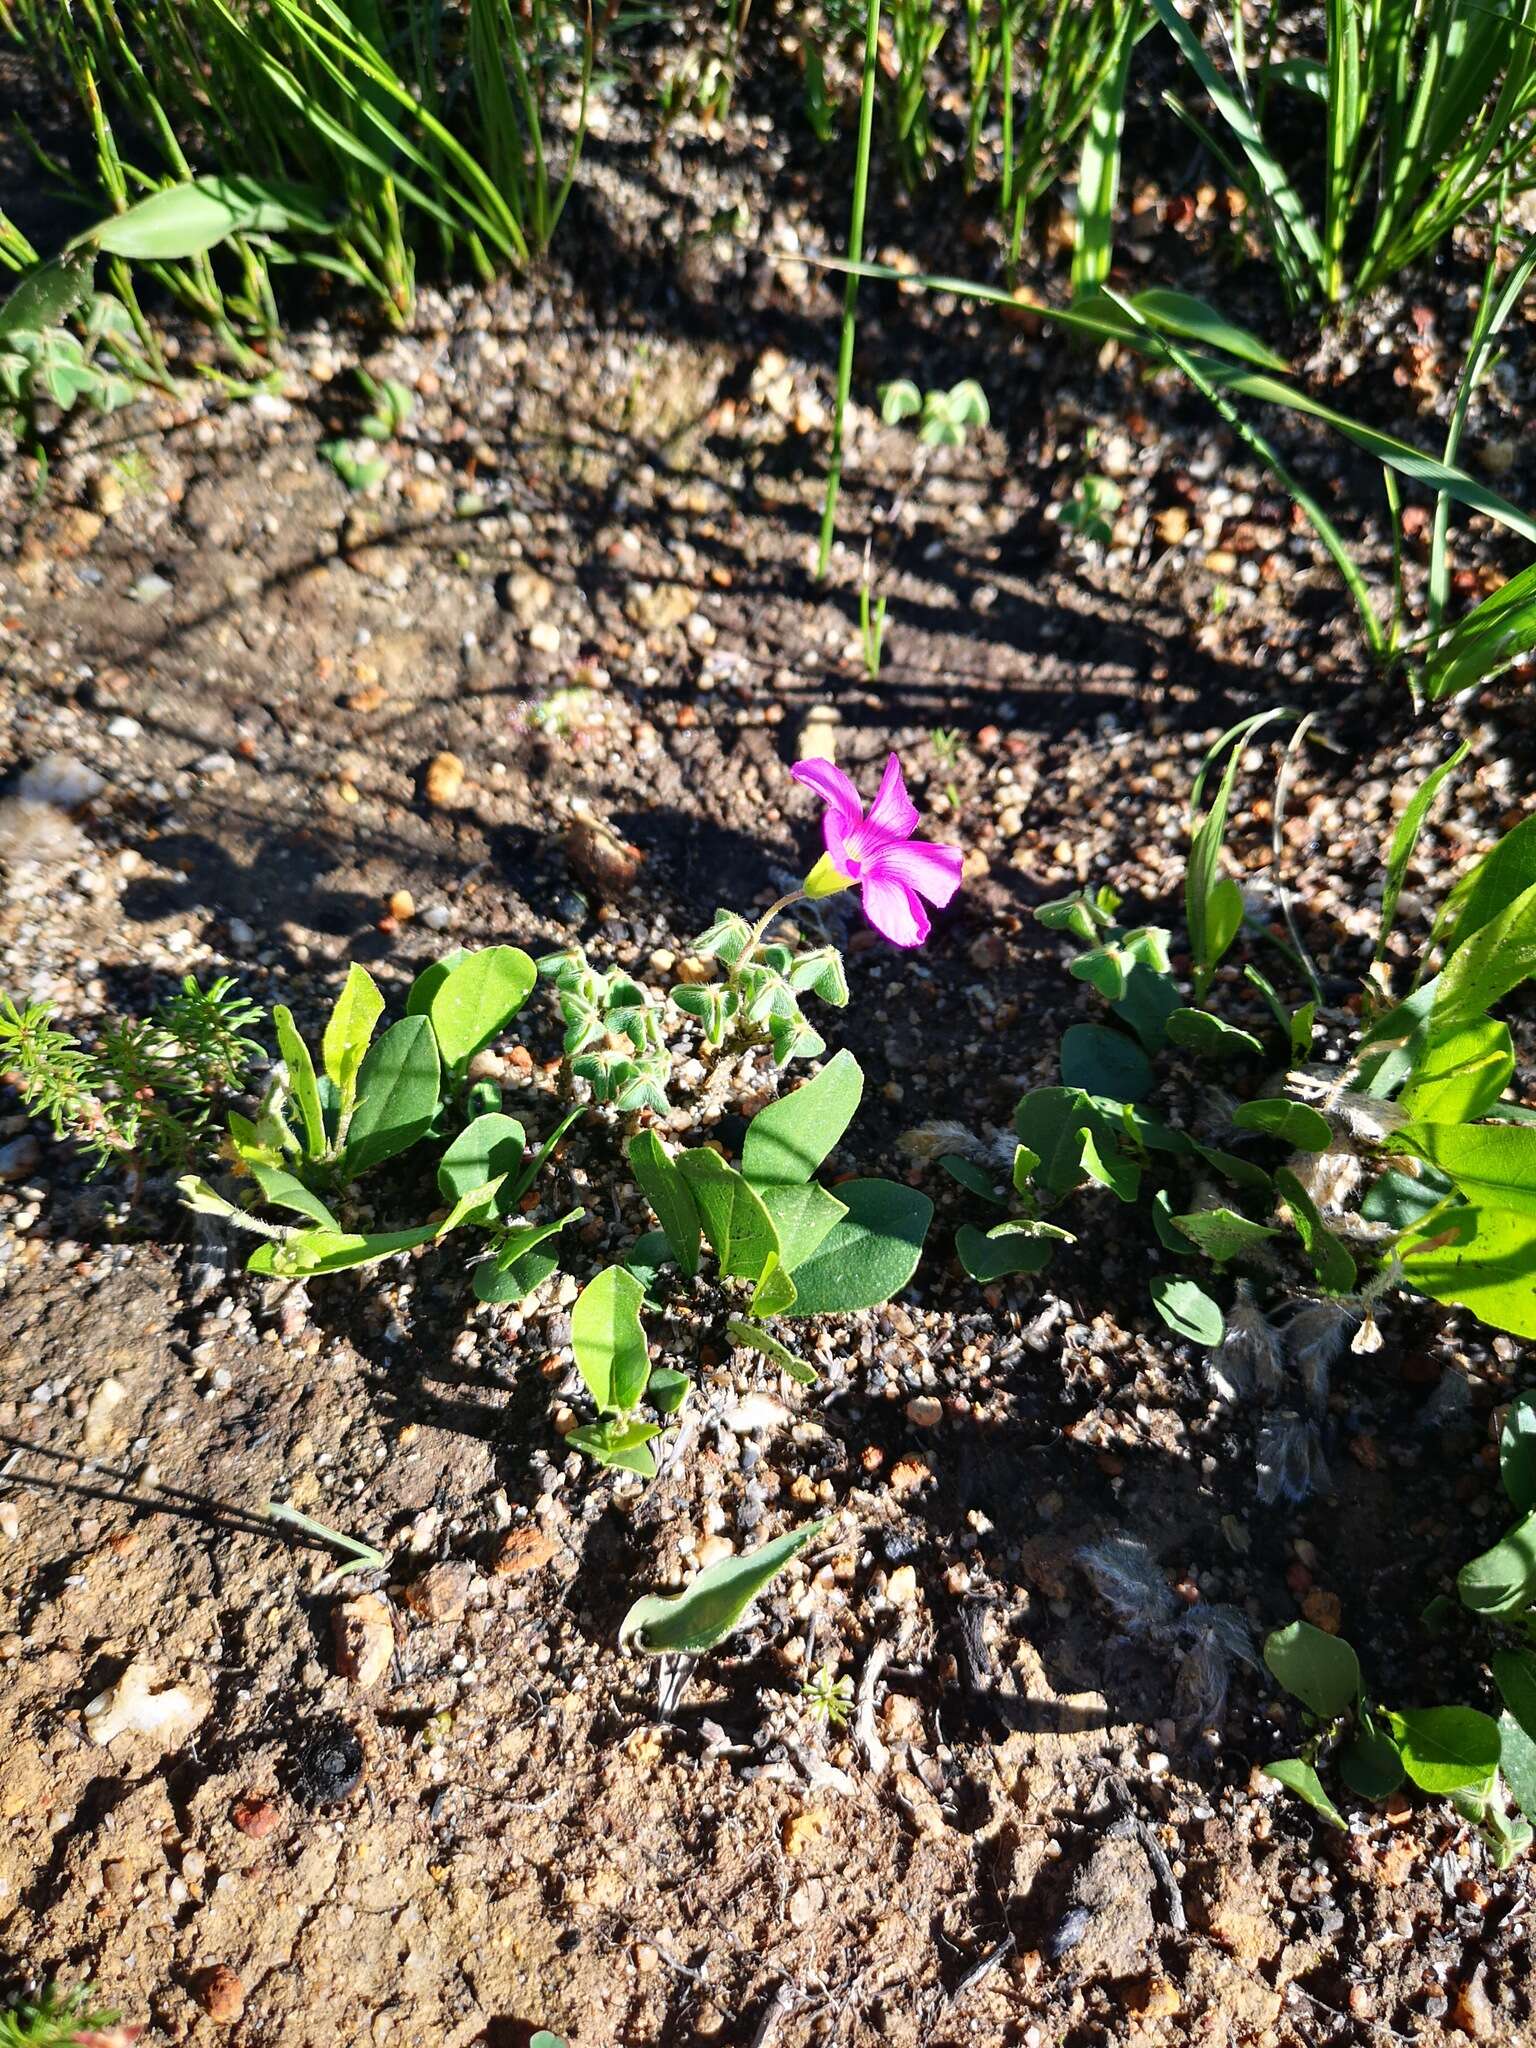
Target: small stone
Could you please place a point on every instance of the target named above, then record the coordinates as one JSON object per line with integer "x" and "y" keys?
{"x": 443, "y": 780}
{"x": 1324, "y": 1610}
{"x": 221, "y": 1994}
{"x": 926, "y": 1411}
{"x": 1155, "y": 1998}
{"x": 544, "y": 637}
{"x": 1472, "y": 2011}
{"x": 107, "y": 493}
{"x": 713, "y": 1550}
{"x": 521, "y": 1552}
{"x": 20, "y": 1158}
{"x": 526, "y": 595}
{"x": 60, "y": 780}
{"x": 658, "y": 607}
{"x": 803, "y": 1829}
{"x": 1171, "y": 525}
{"x": 136, "y": 1706}
{"x": 255, "y": 1817}
{"x": 605, "y": 862}
{"x": 901, "y": 1587}
{"x": 441, "y": 1593}
{"x": 402, "y": 904}
{"x": 365, "y": 1638}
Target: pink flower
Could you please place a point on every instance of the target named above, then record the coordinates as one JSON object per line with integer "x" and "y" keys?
{"x": 893, "y": 870}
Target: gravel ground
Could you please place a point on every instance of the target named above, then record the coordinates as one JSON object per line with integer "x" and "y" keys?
{"x": 586, "y": 581}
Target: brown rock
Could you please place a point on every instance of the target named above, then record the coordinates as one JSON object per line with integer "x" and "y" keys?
{"x": 221, "y": 1994}
{"x": 1472, "y": 2010}
{"x": 1156, "y": 1998}
{"x": 1239, "y": 1918}
{"x": 443, "y": 780}
{"x": 441, "y": 1593}
{"x": 521, "y": 1552}
{"x": 365, "y": 1638}
{"x": 607, "y": 863}
{"x": 1324, "y": 1610}
{"x": 255, "y": 1817}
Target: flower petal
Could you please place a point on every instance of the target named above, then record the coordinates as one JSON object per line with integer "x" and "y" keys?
{"x": 835, "y": 791}
{"x": 894, "y": 911}
{"x": 893, "y": 811}
{"x": 932, "y": 871}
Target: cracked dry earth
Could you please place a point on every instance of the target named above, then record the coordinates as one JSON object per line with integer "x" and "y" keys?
{"x": 331, "y": 728}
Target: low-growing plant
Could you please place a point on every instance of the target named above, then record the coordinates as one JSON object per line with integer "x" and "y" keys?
{"x": 613, "y": 1032}
{"x": 319, "y": 1131}
{"x": 60, "y": 2018}
{"x": 1394, "y": 1164}
{"x": 1422, "y": 113}
{"x": 1454, "y": 1752}
{"x": 944, "y": 418}
{"x": 715, "y": 1603}
{"x": 1090, "y": 511}
{"x": 145, "y": 1090}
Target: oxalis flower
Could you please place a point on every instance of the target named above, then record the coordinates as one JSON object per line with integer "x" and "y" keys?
{"x": 877, "y": 854}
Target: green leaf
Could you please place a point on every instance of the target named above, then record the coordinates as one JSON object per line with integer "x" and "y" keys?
{"x": 1224, "y": 1234}
{"x": 1494, "y": 1164}
{"x": 974, "y": 1180}
{"x": 418, "y": 1001}
{"x": 1496, "y": 632}
{"x": 1050, "y": 1122}
{"x": 740, "y": 1230}
{"x": 398, "y": 1087}
{"x": 788, "y": 1140}
{"x": 1243, "y": 1173}
{"x": 1105, "y": 1062}
{"x": 667, "y": 1389}
{"x": 707, "y": 1611}
{"x": 1293, "y": 1123}
{"x": 349, "y": 1031}
{"x": 658, "y": 1179}
{"x": 1514, "y": 1673}
{"x": 301, "y": 1081}
{"x": 1503, "y": 1579}
{"x": 490, "y": 1148}
{"x": 1400, "y": 1199}
{"x": 477, "y": 998}
{"x": 1506, "y": 871}
{"x": 1459, "y": 1075}
{"x": 515, "y": 1282}
{"x": 1213, "y": 905}
{"x": 188, "y": 220}
{"x": 621, "y": 1441}
{"x": 1331, "y": 1261}
{"x": 756, "y": 1338}
{"x": 284, "y": 1191}
{"x": 998, "y": 1254}
{"x": 1300, "y": 1778}
{"x": 1104, "y": 1162}
{"x": 1517, "y": 1760}
{"x": 1406, "y": 837}
{"x": 1370, "y": 1765}
{"x": 520, "y": 1238}
{"x": 774, "y": 1294}
{"x": 1517, "y": 1454}
{"x": 608, "y": 1339}
{"x": 1447, "y": 1749}
{"x": 49, "y": 293}
{"x": 869, "y": 1254}
{"x": 1320, "y": 1670}
{"x": 1480, "y": 1258}
{"x": 1194, "y": 320}
{"x": 1187, "y": 1309}
{"x": 1197, "y": 1031}
{"x": 802, "y": 1216}
{"x": 1098, "y": 172}
{"x": 310, "y": 1252}
{"x": 1497, "y": 957}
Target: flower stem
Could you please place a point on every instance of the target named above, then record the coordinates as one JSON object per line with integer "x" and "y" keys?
{"x": 744, "y": 958}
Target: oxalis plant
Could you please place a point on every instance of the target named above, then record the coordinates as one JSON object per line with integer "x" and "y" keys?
{"x": 784, "y": 1244}
{"x": 321, "y": 1130}
{"x": 1289, "y": 1198}
{"x": 1458, "y": 1752}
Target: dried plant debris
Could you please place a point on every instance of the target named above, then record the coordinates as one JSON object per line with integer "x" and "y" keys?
{"x": 1207, "y": 1637}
